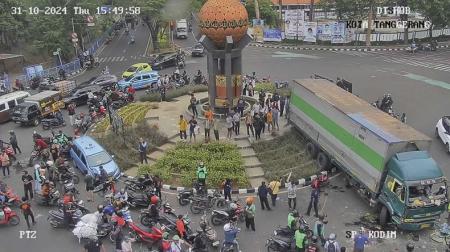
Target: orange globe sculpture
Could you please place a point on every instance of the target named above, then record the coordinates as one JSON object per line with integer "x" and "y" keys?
{"x": 221, "y": 18}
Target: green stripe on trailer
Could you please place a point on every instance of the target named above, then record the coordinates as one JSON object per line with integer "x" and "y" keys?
{"x": 345, "y": 137}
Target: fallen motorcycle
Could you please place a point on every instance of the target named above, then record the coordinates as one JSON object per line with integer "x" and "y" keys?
{"x": 56, "y": 218}
{"x": 10, "y": 217}
{"x": 52, "y": 200}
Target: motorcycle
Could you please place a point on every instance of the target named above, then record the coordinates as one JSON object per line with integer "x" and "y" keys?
{"x": 68, "y": 176}
{"x": 56, "y": 218}
{"x": 147, "y": 220}
{"x": 78, "y": 206}
{"x": 50, "y": 123}
{"x": 10, "y": 217}
{"x": 12, "y": 198}
{"x": 229, "y": 247}
{"x": 200, "y": 80}
{"x": 53, "y": 200}
{"x": 288, "y": 232}
{"x": 38, "y": 154}
{"x": 140, "y": 235}
{"x": 200, "y": 203}
{"x": 138, "y": 184}
{"x": 280, "y": 243}
{"x": 185, "y": 196}
{"x": 136, "y": 199}
{"x": 10, "y": 152}
{"x": 70, "y": 187}
{"x": 219, "y": 217}
{"x": 206, "y": 233}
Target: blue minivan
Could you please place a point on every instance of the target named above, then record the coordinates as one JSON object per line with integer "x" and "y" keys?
{"x": 139, "y": 80}
{"x": 88, "y": 156}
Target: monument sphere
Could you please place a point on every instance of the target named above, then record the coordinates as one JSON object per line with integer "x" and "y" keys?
{"x": 221, "y": 18}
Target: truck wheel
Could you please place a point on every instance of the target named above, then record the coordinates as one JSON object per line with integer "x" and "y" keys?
{"x": 384, "y": 216}
{"x": 311, "y": 150}
{"x": 323, "y": 161}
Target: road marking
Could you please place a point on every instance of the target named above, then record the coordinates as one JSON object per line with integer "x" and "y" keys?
{"x": 279, "y": 54}
{"x": 428, "y": 81}
{"x": 122, "y": 58}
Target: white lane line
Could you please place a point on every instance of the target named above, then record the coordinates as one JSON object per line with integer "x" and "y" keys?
{"x": 122, "y": 58}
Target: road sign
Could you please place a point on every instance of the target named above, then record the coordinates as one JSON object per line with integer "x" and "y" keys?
{"x": 74, "y": 35}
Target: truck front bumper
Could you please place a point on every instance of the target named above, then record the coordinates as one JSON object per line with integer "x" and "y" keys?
{"x": 417, "y": 224}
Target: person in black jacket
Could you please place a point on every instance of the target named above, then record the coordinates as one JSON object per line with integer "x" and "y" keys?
{"x": 262, "y": 193}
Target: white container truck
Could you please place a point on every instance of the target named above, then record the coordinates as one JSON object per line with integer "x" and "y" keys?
{"x": 387, "y": 161}
{"x": 181, "y": 29}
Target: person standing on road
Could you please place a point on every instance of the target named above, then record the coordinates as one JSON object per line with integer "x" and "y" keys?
{"x": 282, "y": 103}
{"x": 314, "y": 201}
{"x": 158, "y": 185}
{"x": 193, "y": 103}
{"x": 257, "y": 125}
{"x": 4, "y": 162}
{"x": 274, "y": 188}
{"x": 227, "y": 189}
{"x": 94, "y": 246}
{"x": 13, "y": 142}
{"x": 71, "y": 111}
{"x": 89, "y": 181}
{"x": 332, "y": 245}
{"x": 37, "y": 178}
{"x": 292, "y": 194}
{"x": 361, "y": 240}
{"x": 27, "y": 180}
{"x": 215, "y": 125}
{"x": 143, "y": 150}
{"x": 207, "y": 130}
{"x": 183, "y": 124}
{"x": 25, "y": 206}
{"x": 319, "y": 229}
{"x": 262, "y": 193}
{"x": 269, "y": 120}
{"x": 300, "y": 240}
{"x": 276, "y": 117}
{"x": 250, "y": 211}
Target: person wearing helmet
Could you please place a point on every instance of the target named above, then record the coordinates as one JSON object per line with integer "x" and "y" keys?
{"x": 122, "y": 197}
{"x": 62, "y": 138}
{"x": 54, "y": 149}
{"x": 231, "y": 232}
{"x": 301, "y": 241}
{"x": 50, "y": 170}
{"x": 13, "y": 142}
{"x": 68, "y": 209}
{"x": 319, "y": 228}
{"x": 175, "y": 245}
{"x": 45, "y": 192}
{"x": 250, "y": 211}
{"x": 164, "y": 246}
{"x": 118, "y": 230}
{"x": 201, "y": 174}
{"x": 292, "y": 219}
{"x": 332, "y": 245}
{"x": 37, "y": 178}
{"x": 180, "y": 227}
{"x": 313, "y": 246}
{"x": 153, "y": 207}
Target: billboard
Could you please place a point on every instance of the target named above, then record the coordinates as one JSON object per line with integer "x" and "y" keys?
{"x": 293, "y": 23}
{"x": 310, "y": 31}
{"x": 324, "y": 31}
{"x": 272, "y": 35}
{"x": 258, "y": 27}
{"x": 338, "y": 33}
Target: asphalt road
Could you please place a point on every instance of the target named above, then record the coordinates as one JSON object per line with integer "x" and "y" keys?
{"x": 424, "y": 100}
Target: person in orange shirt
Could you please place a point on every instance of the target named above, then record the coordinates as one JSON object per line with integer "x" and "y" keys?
{"x": 209, "y": 114}
{"x": 180, "y": 227}
{"x": 269, "y": 120}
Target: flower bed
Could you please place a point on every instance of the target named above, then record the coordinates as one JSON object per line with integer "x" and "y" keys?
{"x": 284, "y": 154}
{"x": 222, "y": 161}
{"x": 132, "y": 113}
{"x": 173, "y": 93}
{"x": 269, "y": 87}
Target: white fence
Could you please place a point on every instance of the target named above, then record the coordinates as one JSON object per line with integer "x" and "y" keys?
{"x": 399, "y": 35}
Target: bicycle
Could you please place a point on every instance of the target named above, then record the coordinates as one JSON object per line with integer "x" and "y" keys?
{"x": 441, "y": 234}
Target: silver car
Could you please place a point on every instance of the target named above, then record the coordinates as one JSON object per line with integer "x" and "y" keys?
{"x": 105, "y": 80}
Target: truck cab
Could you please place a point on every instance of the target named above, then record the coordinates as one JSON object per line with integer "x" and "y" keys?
{"x": 27, "y": 113}
{"x": 414, "y": 194}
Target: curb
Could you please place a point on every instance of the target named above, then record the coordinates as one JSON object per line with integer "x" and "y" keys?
{"x": 336, "y": 49}
{"x": 301, "y": 182}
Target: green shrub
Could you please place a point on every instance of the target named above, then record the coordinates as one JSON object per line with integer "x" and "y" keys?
{"x": 269, "y": 87}
{"x": 125, "y": 146}
{"x": 222, "y": 160}
{"x": 174, "y": 93}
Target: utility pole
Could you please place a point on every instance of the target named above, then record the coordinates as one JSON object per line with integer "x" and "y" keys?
{"x": 280, "y": 4}
{"x": 369, "y": 25}
{"x": 74, "y": 45}
{"x": 257, "y": 9}
{"x": 404, "y": 17}
{"x": 311, "y": 11}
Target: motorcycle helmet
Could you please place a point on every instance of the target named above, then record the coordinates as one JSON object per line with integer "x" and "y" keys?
{"x": 37, "y": 166}
{"x": 175, "y": 238}
{"x": 166, "y": 236}
{"x": 201, "y": 164}
{"x": 249, "y": 200}
{"x": 314, "y": 239}
{"x": 227, "y": 227}
{"x": 295, "y": 213}
{"x": 122, "y": 191}
{"x": 66, "y": 163}
{"x": 47, "y": 181}
{"x": 49, "y": 163}
{"x": 332, "y": 236}
{"x": 100, "y": 208}
{"x": 154, "y": 200}
{"x": 52, "y": 184}
{"x": 233, "y": 206}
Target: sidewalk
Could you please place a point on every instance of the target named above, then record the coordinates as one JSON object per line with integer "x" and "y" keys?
{"x": 339, "y": 48}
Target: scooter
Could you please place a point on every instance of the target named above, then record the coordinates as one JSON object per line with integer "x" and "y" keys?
{"x": 185, "y": 196}
{"x": 141, "y": 235}
{"x": 13, "y": 199}
{"x": 53, "y": 200}
{"x": 219, "y": 217}
{"x": 206, "y": 233}
{"x": 56, "y": 218}
{"x": 136, "y": 199}
{"x": 50, "y": 123}
{"x": 279, "y": 243}
{"x": 10, "y": 217}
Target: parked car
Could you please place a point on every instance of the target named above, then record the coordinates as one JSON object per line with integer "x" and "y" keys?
{"x": 139, "y": 81}
{"x": 198, "y": 50}
{"x": 105, "y": 80}
{"x": 443, "y": 131}
{"x": 80, "y": 95}
{"x": 88, "y": 156}
{"x": 137, "y": 68}
{"x": 8, "y": 102}
{"x": 164, "y": 60}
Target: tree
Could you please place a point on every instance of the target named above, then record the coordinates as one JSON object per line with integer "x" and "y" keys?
{"x": 435, "y": 11}
{"x": 152, "y": 16}
{"x": 266, "y": 11}
{"x": 11, "y": 25}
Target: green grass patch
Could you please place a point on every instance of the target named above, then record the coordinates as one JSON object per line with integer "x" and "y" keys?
{"x": 174, "y": 93}
{"x": 285, "y": 154}
{"x": 125, "y": 146}
{"x": 222, "y": 161}
{"x": 269, "y": 87}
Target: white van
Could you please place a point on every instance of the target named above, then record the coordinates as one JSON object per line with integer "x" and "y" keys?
{"x": 8, "y": 102}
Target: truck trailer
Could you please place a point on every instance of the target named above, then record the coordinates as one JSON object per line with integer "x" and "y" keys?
{"x": 387, "y": 161}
